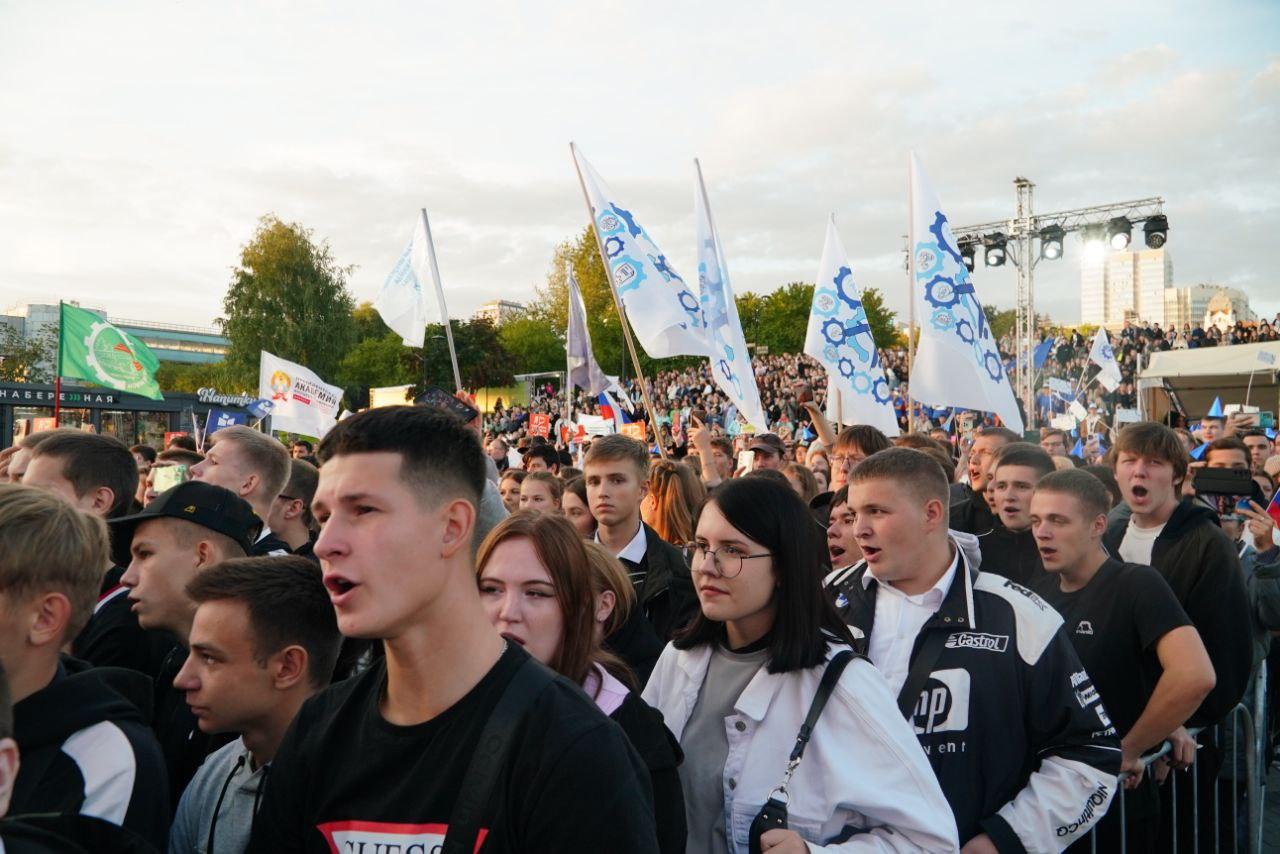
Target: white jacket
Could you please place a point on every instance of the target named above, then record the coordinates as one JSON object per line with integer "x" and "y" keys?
{"x": 863, "y": 771}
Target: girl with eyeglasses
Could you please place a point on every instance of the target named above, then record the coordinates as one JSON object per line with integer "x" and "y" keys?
{"x": 735, "y": 687}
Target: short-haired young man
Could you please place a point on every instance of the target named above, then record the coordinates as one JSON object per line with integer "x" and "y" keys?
{"x": 1260, "y": 449}
{"x": 842, "y": 545}
{"x": 181, "y": 441}
{"x": 84, "y": 743}
{"x": 1137, "y": 644}
{"x": 542, "y": 458}
{"x": 98, "y": 475}
{"x": 616, "y": 470}
{"x": 263, "y": 641}
{"x": 397, "y": 500}
{"x": 300, "y": 448}
{"x": 768, "y": 452}
{"x": 980, "y": 665}
{"x": 255, "y": 467}
{"x": 970, "y": 512}
{"x": 1054, "y": 443}
{"x": 291, "y": 518}
{"x": 1009, "y": 549}
{"x": 1181, "y": 539}
{"x": 183, "y": 532}
{"x": 1212, "y": 427}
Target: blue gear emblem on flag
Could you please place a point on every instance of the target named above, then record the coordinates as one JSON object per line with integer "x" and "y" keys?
{"x": 846, "y": 368}
{"x": 965, "y": 330}
{"x": 941, "y": 292}
{"x": 862, "y": 382}
{"x": 632, "y": 229}
{"x": 833, "y": 331}
{"x": 941, "y": 230}
{"x": 943, "y": 320}
{"x": 613, "y": 246}
{"x": 994, "y": 369}
{"x": 880, "y": 390}
{"x": 664, "y": 269}
{"x": 850, "y": 297}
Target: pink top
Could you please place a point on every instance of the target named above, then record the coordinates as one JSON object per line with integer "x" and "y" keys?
{"x": 607, "y": 691}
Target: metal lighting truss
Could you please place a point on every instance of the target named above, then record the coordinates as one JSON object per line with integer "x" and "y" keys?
{"x": 1020, "y": 231}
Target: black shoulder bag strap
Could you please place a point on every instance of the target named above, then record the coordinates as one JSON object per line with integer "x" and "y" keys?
{"x": 921, "y": 666}
{"x": 496, "y": 739}
{"x": 773, "y": 815}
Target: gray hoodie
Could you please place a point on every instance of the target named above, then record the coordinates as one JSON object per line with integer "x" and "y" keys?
{"x": 225, "y": 784}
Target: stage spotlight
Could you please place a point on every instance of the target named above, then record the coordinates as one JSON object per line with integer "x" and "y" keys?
{"x": 1156, "y": 230}
{"x": 1051, "y": 242}
{"x": 968, "y": 251}
{"x": 1119, "y": 232}
{"x": 995, "y": 244}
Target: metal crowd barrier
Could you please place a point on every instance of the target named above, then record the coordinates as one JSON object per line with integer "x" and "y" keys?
{"x": 1247, "y": 719}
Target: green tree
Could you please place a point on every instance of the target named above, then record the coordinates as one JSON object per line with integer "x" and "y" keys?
{"x": 483, "y": 361}
{"x": 784, "y": 318}
{"x": 184, "y": 377}
{"x": 377, "y": 361}
{"x": 532, "y": 345}
{"x": 288, "y": 296}
{"x": 367, "y": 322}
{"x": 25, "y": 359}
{"x": 1000, "y": 322}
{"x": 881, "y": 320}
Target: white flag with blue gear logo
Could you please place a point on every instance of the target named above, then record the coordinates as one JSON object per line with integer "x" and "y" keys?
{"x": 662, "y": 308}
{"x": 1102, "y": 355}
{"x": 730, "y": 361}
{"x": 957, "y": 361}
{"x": 840, "y": 338}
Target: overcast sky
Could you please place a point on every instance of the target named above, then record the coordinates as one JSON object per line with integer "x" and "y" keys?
{"x": 141, "y": 141}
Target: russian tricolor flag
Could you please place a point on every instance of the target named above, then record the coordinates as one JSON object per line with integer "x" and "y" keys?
{"x": 610, "y": 409}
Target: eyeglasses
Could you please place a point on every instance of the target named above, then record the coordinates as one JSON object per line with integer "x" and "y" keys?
{"x": 727, "y": 559}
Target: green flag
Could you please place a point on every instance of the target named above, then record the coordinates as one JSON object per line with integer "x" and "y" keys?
{"x": 91, "y": 349}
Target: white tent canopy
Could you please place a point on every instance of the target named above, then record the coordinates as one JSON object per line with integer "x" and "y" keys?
{"x": 1189, "y": 380}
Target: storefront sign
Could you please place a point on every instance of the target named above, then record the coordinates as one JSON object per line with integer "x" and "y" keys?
{"x": 212, "y": 395}
{"x": 18, "y": 395}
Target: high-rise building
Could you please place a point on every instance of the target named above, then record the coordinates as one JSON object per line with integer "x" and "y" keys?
{"x": 499, "y": 311}
{"x": 1190, "y": 306}
{"x": 1120, "y": 286}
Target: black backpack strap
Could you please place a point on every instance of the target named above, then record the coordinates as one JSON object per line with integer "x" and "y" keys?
{"x": 921, "y": 667}
{"x": 496, "y": 739}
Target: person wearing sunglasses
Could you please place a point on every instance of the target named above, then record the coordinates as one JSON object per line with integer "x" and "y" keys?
{"x": 735, "y": 686}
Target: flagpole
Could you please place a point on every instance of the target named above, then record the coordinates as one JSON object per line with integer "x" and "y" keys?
{"x": 613, "y": 289}
{"x": 57, "y": 380}
{"x": 444, "y": 310}
{"x": 911, "y": 301}
{"x": 568, "y": 345}
{"x": 1249, "y": 388}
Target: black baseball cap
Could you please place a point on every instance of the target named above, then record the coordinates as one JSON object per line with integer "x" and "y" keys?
{"x": 213, "y": 507}
{"x": 769, "y": 443}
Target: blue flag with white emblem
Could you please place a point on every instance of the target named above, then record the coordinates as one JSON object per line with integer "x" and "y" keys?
{"x": 219, "y": 418}
{"x": 839, "y": 337}
{"x": 957, "y": 362}
{"x": 730, "y": 361}
{"x": 663, "y": 309}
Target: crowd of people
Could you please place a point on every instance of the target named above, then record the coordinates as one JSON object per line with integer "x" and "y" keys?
{"x": 428, "y": 635}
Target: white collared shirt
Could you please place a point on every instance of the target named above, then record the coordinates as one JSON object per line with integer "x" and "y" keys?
{"x": 899, "y": 618}
{"x": 634, "y": 550}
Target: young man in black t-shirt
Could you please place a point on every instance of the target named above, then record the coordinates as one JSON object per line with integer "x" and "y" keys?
{"x": 1009, "y": 549}
{"x": 1138, "y": 646}
{"x": 380, "y": 760}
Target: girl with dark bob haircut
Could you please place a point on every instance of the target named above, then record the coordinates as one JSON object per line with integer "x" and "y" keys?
{"x": 735, "y": 686}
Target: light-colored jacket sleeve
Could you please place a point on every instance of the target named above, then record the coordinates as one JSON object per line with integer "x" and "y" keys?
{"x": 874, "y": 766}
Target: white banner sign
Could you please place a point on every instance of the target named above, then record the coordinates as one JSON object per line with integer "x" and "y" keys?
{"x": 301, "y": 401}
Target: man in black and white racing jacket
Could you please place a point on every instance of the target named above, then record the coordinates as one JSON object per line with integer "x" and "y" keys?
{"x": 1012, "y": 725}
